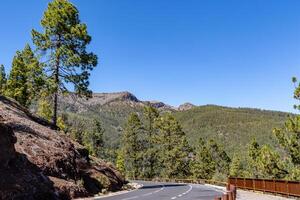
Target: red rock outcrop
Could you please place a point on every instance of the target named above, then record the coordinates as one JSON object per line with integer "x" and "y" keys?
{"x": 62, "y": 167}
{"x": 20, "y": 179}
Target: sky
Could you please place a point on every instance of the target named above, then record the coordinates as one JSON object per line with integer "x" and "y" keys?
{"x": 239, "y": 53}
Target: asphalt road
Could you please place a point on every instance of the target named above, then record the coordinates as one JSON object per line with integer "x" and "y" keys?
{"x": 168, "y": 191}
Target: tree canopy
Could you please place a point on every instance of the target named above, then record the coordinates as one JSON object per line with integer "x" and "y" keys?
{"x": 63, "y": 43}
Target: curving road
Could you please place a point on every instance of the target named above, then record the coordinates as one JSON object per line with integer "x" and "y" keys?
{"x": 168, "y": 191}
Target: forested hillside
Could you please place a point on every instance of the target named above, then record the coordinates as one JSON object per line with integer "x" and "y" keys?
{"x": 233, "y": 128}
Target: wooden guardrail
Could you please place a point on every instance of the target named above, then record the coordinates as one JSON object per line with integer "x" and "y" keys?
{"x": 282, "y": 187}
{"x": 230, "y": 194}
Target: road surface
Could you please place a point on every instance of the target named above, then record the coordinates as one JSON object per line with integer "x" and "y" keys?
{"x": 168, "y": 191}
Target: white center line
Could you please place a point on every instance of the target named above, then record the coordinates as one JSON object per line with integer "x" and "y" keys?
{"x": 182, "y": 194}
{"x": 147, "y": 194}
{"x": 134, "y": 197}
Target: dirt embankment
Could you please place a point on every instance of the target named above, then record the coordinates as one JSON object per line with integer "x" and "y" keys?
{"x": 37, "y": 162}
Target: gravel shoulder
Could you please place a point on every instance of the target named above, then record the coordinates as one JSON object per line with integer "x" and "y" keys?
{"x": 248, "y": 195}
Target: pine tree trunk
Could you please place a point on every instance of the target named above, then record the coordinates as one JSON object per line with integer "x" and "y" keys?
{"x": 56, "y": 82}
{"x": 54, "y": 119}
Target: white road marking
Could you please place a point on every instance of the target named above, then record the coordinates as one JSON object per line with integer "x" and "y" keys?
{"x": 147, "y": 194}
{"x": 134, "y": 197}
{"x": 116, "y": 193}
{"x": 163, "y": 187}
{"x": 182, "y": 194}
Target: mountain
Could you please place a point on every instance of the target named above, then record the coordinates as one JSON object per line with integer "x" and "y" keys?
{"x": 37, "y": 162}
{"x": 72, "y": 103}
{"x": 232, "y": 127}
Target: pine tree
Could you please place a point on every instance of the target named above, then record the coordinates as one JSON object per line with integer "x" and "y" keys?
{"x": 44, "y": 106}
{"x": 16, "y": 83}
{"x": 203, "y": 165}
{"x": 131, "y": 146}
{"x": 220, "y": 157}
{"x": 173, "y": 147}
{"x": 3, "y": 79}
{"x": 150, "y": 153}
{"x": 26, "y": 77}
{"x": 181, "y": 160}
{"x": 294, "y": 173}
{"x": 289, "y": 139}
{"x": 61, "y": 122}
{"x": 270, "y": 164}
{"x": 120, "y": 162}
{"x": 236, "y": 167}
{"x": 265, "y": 162}
{"x": 94, "y": 141}
{"x": 63, "y": 42}
{"x": 254, "y": 153}
{"x": 35, "y": 77}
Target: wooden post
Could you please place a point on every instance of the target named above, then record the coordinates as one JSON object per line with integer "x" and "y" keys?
{"x": 287, "y": 188}
{"x": 225, "y": 197}
{"x": 274, "y": 186}
{"x": 230, "y": 195}
{"x": 233, "y": 189}
{"x": 235, "y": 181}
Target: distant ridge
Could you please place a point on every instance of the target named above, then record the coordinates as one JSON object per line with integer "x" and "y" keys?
{"x": 113, "y": 98}
{"x": 126, "y": 97}
{"x": 232, "y": 127}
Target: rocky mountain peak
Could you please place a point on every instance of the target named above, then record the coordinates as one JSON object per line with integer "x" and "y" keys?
{"x": 117, "y": 98}
{"x": 159, "y": 105}
{"x": 186, "y": 106}
{"x": 127, "y": 96}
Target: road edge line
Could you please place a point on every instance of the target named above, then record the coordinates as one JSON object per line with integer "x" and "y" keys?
{"x": 112, "y": 193}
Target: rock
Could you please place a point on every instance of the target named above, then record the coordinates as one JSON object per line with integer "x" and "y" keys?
{"x": 159, "y": 105}
{"x": 40, "y": 158}
{"x": 69, "y": 189}
{"x": 20, "y": 179}
{"x": 186, "y": 106}
{"x": 7, "y": 141}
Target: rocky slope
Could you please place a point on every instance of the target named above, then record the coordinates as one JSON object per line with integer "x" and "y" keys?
{"x": 20, "y": 179}
{"x": 37, "y": 162}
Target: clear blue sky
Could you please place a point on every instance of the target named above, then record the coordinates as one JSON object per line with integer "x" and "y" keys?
{"x": 226, "y": 52}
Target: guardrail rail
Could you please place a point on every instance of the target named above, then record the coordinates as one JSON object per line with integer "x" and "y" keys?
{"x": 282, "y": 187}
